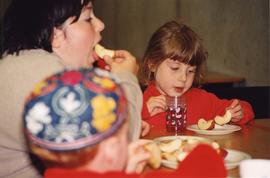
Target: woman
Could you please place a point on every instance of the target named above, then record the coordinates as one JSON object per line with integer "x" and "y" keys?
{"x": 42, "y": 38}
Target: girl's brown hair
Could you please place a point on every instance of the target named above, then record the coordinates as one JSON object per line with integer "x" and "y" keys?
{"x": 176, "y": 41}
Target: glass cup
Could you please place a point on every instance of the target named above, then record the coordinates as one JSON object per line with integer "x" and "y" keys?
{"x": 176, "y": 113}
{"x": 255, "y": 168}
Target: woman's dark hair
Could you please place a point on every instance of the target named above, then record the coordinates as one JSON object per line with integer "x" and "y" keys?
{"x": 176, "y": 41}
{"x": 29, "y": 24}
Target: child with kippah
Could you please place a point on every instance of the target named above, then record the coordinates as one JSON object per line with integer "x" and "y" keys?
{"x": 76, "y": 123}
{"x": 77, "y": 120}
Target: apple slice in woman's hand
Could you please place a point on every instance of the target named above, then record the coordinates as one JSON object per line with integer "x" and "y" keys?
{"x": 101, "y": 51}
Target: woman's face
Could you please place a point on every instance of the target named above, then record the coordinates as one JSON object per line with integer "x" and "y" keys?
{"x": 77, "y": 39}
{"x": 174, "y": 78}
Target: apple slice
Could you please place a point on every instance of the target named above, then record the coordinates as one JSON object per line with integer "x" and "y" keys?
{"x": 155, "y": 154}
{"x": 169, "y": 156}
{"x": 226, "y": 118}
{"x": 171, "y": 146}
{"x": 101, "y": 51}
{"x": 223, "y": 153}
{"x": 206, "y": 125}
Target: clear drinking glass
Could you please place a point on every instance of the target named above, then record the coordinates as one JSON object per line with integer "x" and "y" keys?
{"x": 176, "y": 114}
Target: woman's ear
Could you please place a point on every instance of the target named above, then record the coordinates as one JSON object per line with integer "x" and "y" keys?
{"x": 58, "y": 37}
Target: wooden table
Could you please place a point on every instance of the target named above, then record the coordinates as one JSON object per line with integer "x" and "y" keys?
{"x": 253, "y": 138}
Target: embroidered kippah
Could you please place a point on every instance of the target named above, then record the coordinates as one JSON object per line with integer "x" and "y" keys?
{"x": 74, "y": 109}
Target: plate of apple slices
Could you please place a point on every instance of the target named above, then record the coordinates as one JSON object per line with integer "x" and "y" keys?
{"x": 217, "y": 126}
{"x": 218, "y": 130}
{"x": 174, "y": 149}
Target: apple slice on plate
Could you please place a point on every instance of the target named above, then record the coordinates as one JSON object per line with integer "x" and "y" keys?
{"x": 222, "y": 120}
{"x": 155, "y": 154}
{"x": 170, "y": 146}
{"x": 206, "y": 125}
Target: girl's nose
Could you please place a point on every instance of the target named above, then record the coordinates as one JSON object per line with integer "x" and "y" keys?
{"x": 182, "y": 76}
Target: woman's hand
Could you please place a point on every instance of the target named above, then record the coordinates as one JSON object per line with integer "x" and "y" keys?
{"x": 156, "y": 104}
{"x": 122, "y": 61}
{"x": 236, "y": 110}
{"x": 137, "y": 157}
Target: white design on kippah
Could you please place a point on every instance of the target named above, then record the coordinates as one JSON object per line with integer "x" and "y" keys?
{"x": 67, "y": 132}
{"x": 69, "y": 103}
{"x": 37, "y": 117}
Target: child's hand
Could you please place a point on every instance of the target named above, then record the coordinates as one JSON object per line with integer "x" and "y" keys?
{"x": 236, "y": 110}
{"x": 145, "y": 128}
{"x": 137, "y": 157}
{"x": 122, "y": 61}
{"x": 156, "y": 104}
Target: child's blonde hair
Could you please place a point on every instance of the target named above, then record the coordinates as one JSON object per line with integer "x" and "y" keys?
{"x": 176, "y": 41}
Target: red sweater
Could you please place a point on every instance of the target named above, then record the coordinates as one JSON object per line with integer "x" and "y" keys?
{"x": 200, "y": 104}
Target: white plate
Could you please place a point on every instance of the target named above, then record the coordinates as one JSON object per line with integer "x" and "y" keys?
{"x": 218, "y": 130}
{"x": 234, "y": 157}
{"x": 232, "y": 160}
{"x": 183, "y": 137}
{"x": 173, "y": 164}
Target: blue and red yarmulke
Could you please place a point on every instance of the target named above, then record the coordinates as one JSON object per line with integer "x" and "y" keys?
{"x": 74, "y": 109}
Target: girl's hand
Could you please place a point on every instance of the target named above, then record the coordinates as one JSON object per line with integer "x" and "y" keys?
{"x": 156, "y": 104}
{"x": 137, "y": 157}
{"x": 236, "y": 110}
{"x": 122, "y": 61}
{"x": 145, "y": 128}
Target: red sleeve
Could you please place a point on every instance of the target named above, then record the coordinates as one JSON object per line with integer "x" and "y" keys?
{"x": 71, "y": 173}
{"x": 145, "y": 112}
{"x": 149, "y": 91}
{"x": 203, "y": 161}
{"x": 203, "y": 104}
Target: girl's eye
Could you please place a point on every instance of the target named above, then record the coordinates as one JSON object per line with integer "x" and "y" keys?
{"x": 192, "y": 71}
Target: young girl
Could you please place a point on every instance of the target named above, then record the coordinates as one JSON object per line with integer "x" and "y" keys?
{"x": 39, "y": 39}
{"x": 172, "y": 65}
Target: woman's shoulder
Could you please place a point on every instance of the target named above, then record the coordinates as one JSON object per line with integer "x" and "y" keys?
{"x": 29, "y": 66}
{"x": 32, "y": 57}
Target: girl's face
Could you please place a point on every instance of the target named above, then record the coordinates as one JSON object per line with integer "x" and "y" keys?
{"x": 174, "y": 78}
{"x": 77, "y": 39}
